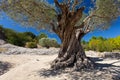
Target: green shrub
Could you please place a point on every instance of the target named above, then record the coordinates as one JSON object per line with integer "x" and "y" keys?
{"x": 17, "y": 38}
{"x": 42, "y": 35}
{"x": 31, "y": 45}
{"x": 46, "y": 42}
{"x": 30, "y": 34}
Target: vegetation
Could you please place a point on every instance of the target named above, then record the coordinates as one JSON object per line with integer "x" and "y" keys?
{"x": 42, "y": 35}
{"x": 16, "y": 38}
{"x": 69, "y": 19}
{"x": 101, "y": 44}
{"x": 46, "y": 42}
{"x": 2, "y": 34}
{"x": 31, "y": 45}
{"x": 28, "y": 39}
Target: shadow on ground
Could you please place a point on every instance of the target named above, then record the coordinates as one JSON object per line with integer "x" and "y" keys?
{"x": 4, "y": 67}
{"x": 102, "y": 71}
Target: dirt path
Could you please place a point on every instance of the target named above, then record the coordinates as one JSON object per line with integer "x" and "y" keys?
{"x": 27, "y": 67}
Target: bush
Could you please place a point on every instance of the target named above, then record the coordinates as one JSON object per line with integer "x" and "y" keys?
{"x": 42, "y": 35}
{"x": 31, "y": 45}
{"x": 30, "y": 34}
{"x": 46, "y": 42}
{"x": 17, "y": 38}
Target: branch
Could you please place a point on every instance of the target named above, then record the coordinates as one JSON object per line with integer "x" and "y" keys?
{"x": 76, "y": 16}
{"x": 61, "y": 6}
{"x": 93, "y": 15}
{"x": 62, "y": 17}
{"x": 86, "y": 21}
{"x": 53, "y": 27}
{"x": 84, "y": 27}
{"x": 69, "y": 3}
{"x": 74, "y": 4}
{"x": 57, "y": 3}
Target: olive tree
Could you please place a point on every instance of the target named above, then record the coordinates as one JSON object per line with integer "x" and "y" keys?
{"x": 71, "y": 20}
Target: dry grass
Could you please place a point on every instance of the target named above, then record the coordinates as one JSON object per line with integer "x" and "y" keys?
{"x": 3, "y": 49}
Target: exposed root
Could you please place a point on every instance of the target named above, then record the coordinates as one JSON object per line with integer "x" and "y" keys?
{"x": 72, "y": 62}
{"x": 59, "y": 63}
{"x": 84, "y": 64}
{"x": 72, "y": 55}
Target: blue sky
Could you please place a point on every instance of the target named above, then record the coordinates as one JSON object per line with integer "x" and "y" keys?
{"x": 112, "y": 32}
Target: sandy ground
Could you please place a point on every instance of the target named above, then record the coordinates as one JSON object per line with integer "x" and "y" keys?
{"x": 27, "y": 67}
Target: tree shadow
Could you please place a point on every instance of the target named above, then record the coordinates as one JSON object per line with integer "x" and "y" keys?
{"x": 95, "y": 59}
{"x": 113, "y": 55}
{"x": 4, "y": 67}
{"x": 86, "y": 74}
{"x": 49, "y": 72}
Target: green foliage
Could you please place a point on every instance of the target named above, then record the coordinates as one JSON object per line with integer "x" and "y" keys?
{"x": 46, "y": 42}
{"x": 40, "y": 13}
{"x": 2, "y": 33}
{"x": 42, "y": 35}
{"x": 1, "y": 28}
{"x": 101, "y": 44}
{"x": 31, "y": 45}
{"x": 16, "y": 38}
{"x": 29, "y": 12}
{"x": 28, "y": 39}
{"x": 117, "y": 43}
{"x": 30, "y": 34}
{"x": 85, "y": 44}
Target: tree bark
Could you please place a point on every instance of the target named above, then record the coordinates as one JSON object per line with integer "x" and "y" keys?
{"x": 71, "y": 53}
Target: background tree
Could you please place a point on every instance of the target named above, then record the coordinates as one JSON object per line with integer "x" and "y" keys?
{"x": 30, "y": 34}
{"x": 2, "y": 33}
{"x": 68, "y": 20}
{"x": 42, "y": 35}
{"x": 17, "y": 38}
{"x": 46, "y": 42}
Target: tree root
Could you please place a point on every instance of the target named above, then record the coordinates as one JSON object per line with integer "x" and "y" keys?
{"x": 62, "y": 63}
{"x": 72, "y": 62}
{"x": 85, "y": 64}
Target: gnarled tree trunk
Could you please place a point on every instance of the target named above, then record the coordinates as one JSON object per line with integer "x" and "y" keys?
{"x": 71, "y": 53}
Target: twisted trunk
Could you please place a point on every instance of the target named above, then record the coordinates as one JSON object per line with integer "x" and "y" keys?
{"x": 71, "y": 53}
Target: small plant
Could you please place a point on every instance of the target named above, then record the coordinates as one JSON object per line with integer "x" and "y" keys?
{"x": 3, "y": 49}
{"x": 31, "y": 45}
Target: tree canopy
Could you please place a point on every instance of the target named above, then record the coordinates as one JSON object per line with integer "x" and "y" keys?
{"x": 35, "y": 13}
{"x": 40, "y": 13}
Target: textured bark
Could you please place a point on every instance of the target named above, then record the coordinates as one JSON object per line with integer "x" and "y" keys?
{"x": 71, "y": 53}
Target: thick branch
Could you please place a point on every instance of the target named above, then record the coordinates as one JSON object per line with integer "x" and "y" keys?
{"x": 53, "y": 27}
{"x": 77, "y": 16}
{"x": 94, "y": 15}
{"x": 57, "y": 3}
{"x": 85, "y": 24}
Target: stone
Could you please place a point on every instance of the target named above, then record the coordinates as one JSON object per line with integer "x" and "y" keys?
{"x": 2, "y": 42}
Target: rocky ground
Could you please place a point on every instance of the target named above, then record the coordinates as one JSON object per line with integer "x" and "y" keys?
{"x": 20, "y": 63}
{"x": 9, "y": 49}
